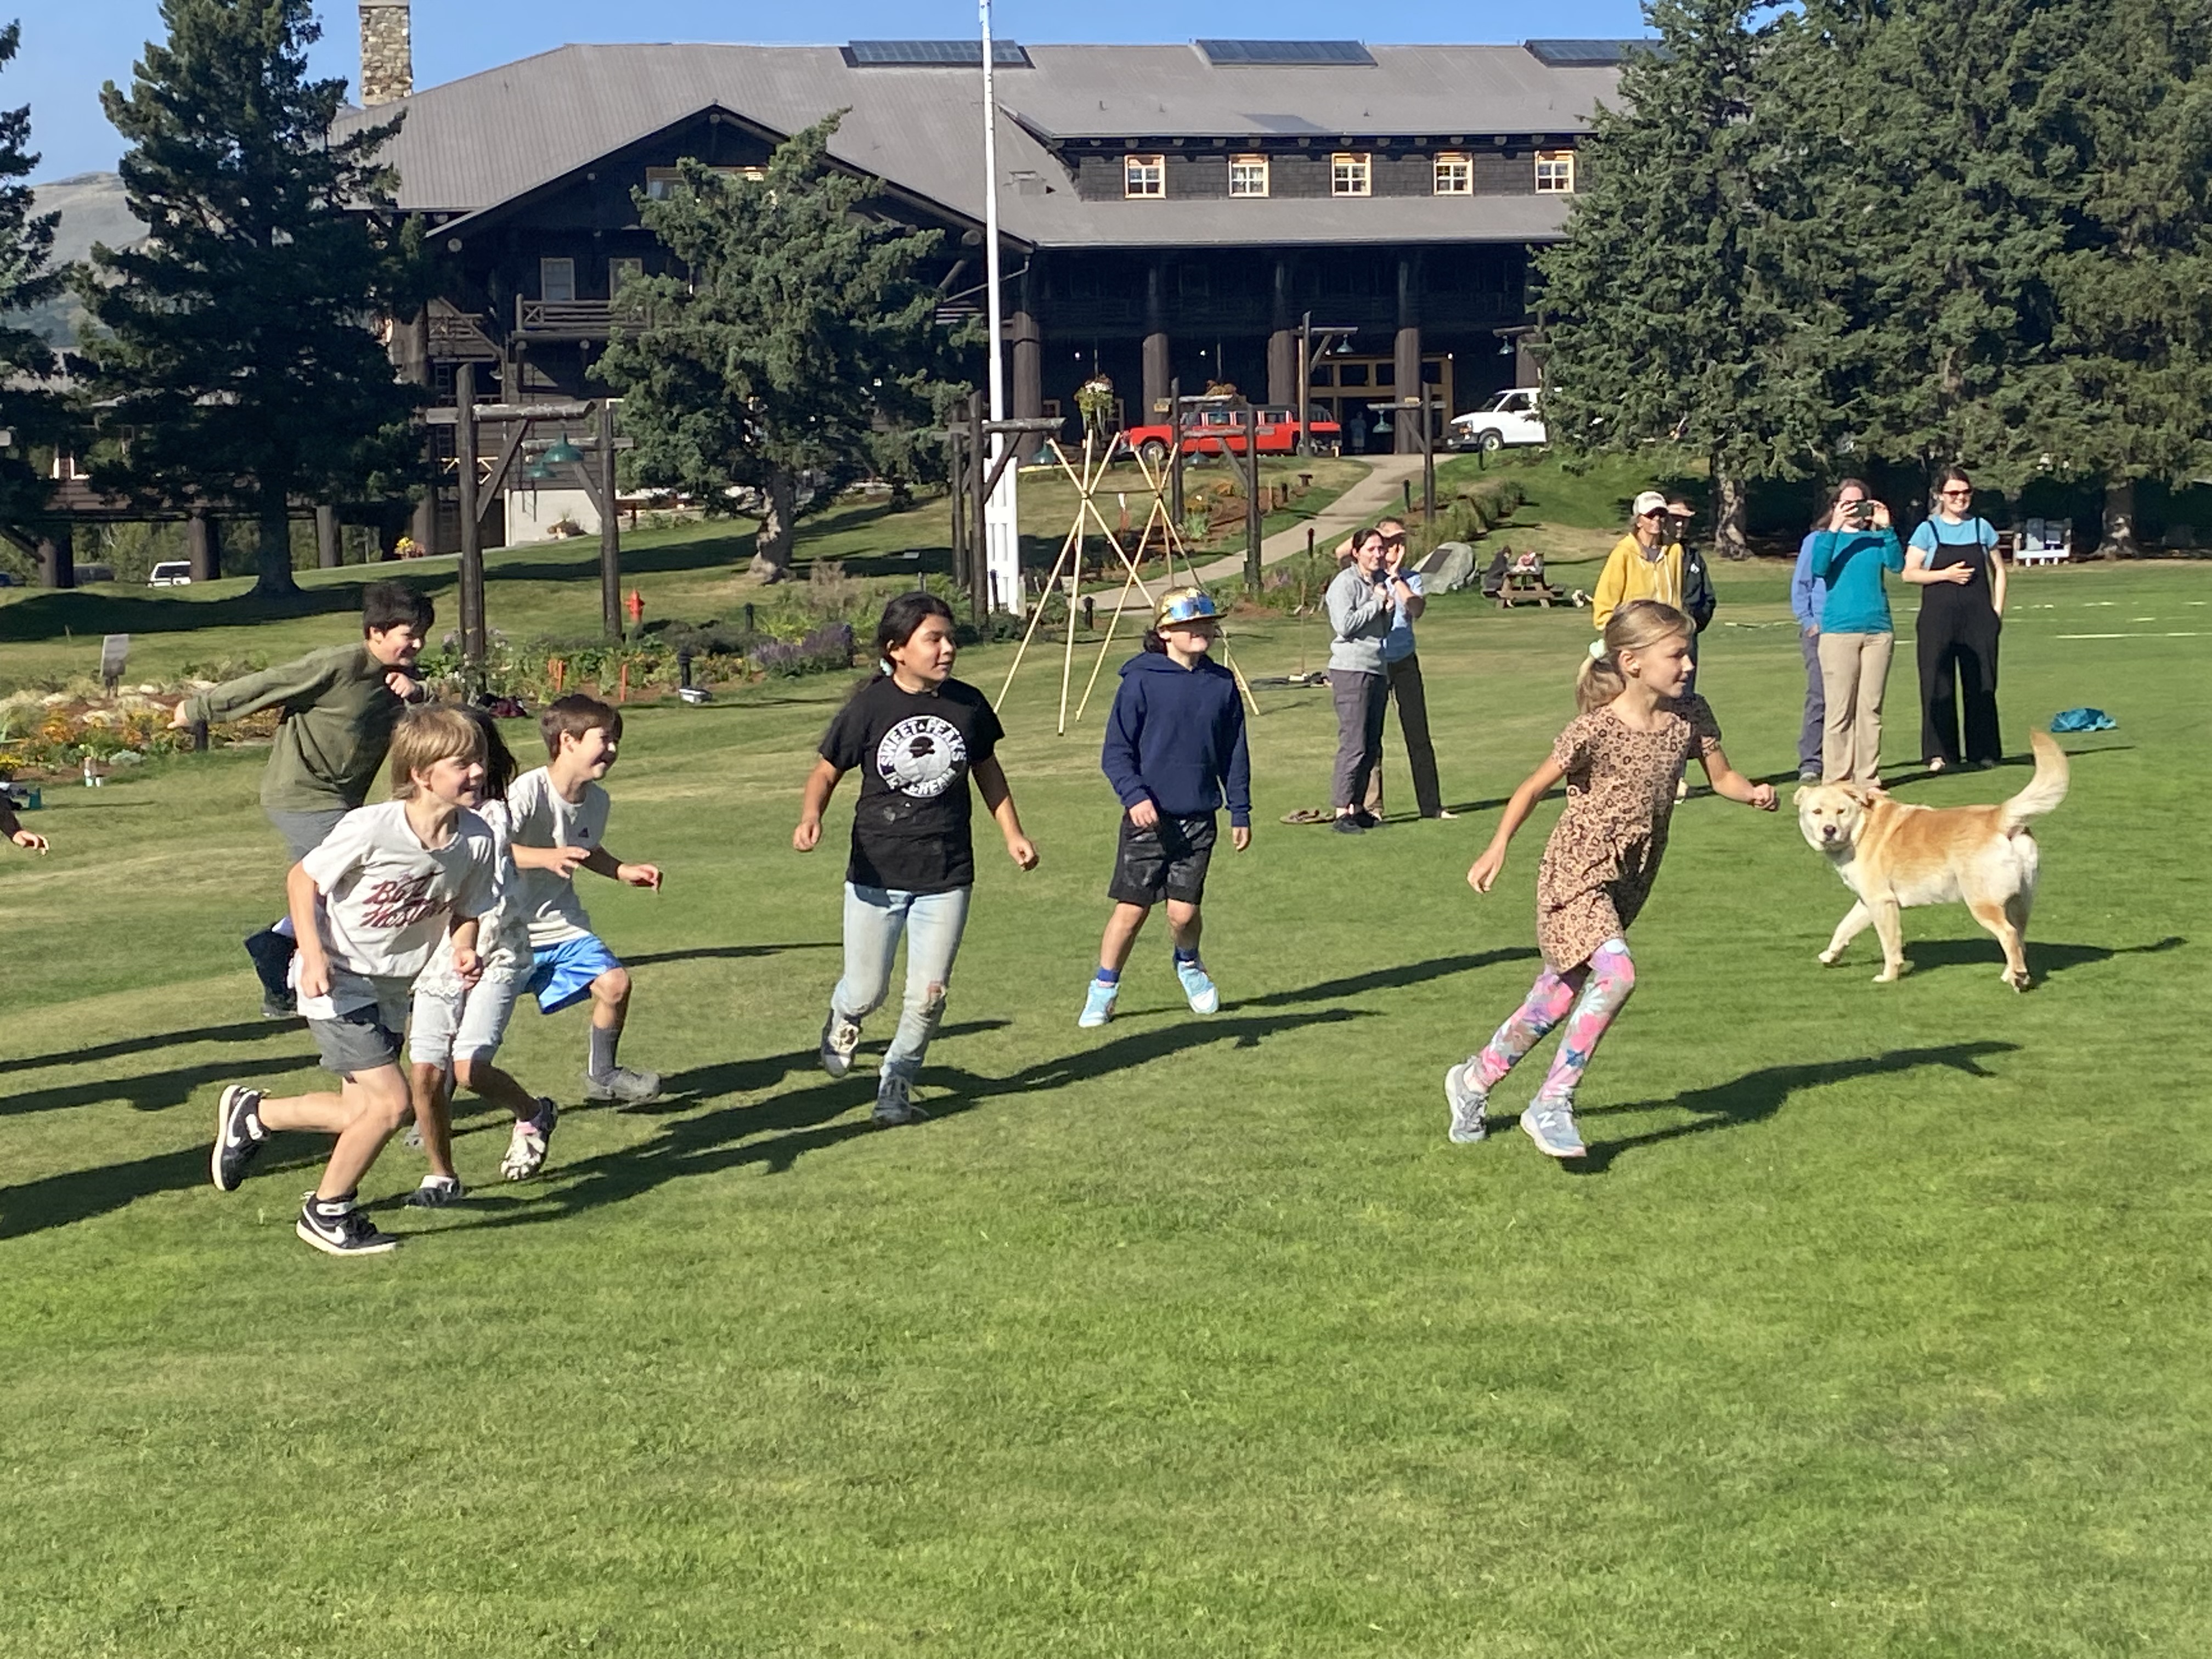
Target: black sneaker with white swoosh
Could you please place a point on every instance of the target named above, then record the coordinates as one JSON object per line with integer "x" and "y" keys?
{"x": 336, "y": 1227}
{"x": 239, "y": 1136}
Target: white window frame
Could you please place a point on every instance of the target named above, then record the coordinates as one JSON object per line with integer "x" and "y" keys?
{"x": 1453, "y": 173}
{"x": 1351, "y": 173}
{"x": 555, "y": 276}
{"x": 1555, "y": 172}
{"x": 1144, "y": 178}
{"x": 616, "y": 266}
{"x": 1251, "y": 163}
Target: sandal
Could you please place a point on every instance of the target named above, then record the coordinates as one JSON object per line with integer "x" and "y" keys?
{"x": 1310, "y": 815}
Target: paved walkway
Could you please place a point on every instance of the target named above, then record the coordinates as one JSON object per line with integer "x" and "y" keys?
{"x": 1380, "y": 492}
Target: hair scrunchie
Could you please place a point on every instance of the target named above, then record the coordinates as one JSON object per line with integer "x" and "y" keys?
{"x": 1597, "y": 651}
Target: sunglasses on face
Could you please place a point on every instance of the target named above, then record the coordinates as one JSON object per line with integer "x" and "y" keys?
{"x": 1193, "y": 607}
{"x": 1958, "y": 495}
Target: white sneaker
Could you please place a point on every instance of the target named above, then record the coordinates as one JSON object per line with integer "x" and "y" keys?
{"x": 840, "y": 1037}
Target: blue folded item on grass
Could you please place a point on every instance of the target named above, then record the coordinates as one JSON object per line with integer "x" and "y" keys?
{"x": 2082, "y": 719}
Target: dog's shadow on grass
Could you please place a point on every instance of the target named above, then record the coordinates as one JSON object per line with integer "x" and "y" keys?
{"x": 776, "y": 1132}
{"x": 1757, "y": 1096}
{"x": 2044, "y": 958}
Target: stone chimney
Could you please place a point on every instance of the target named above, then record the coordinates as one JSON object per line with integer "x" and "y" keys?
{"x": 387, "y": 56}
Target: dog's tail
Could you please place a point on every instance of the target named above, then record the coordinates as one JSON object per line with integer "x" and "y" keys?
{"x": 2044, "y": 791}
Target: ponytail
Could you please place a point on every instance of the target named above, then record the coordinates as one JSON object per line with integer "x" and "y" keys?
{"x": 1153, "y": 643}
{"x": 1636, "y": 626}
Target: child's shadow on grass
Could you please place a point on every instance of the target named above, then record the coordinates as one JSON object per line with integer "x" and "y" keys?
{"x": 1388, "y": 979}
{"x": 60, "y": 1200}
{"x": 154, "y": 1091}
{"x": 1757, "y": 1096}
{"x": 241, "y": 1031}
{"x": 778, "y": 1132}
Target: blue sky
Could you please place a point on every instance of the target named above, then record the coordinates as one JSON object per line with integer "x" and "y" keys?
{"x": 70, "y": 47}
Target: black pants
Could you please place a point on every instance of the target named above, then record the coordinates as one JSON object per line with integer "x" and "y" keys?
{"x": 1958, "y": 651}
{"x": 1404, "y": 686}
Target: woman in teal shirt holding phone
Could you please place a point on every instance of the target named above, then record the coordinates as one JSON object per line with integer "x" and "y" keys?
{"x": 1856, "y": 635}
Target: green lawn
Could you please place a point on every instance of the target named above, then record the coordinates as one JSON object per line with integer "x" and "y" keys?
{"x": 1876, "y": 1325}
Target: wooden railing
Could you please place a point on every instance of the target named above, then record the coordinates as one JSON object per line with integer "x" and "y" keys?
{"x": 571, "y": 319}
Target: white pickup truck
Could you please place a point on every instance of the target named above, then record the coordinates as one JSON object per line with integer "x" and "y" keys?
{"x": 1510, "y": 417}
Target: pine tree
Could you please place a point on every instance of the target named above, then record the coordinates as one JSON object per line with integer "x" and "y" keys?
{"x": 31, "y": 411}
{"x": 2135, "y": 289}
{"x": 1676, "y": 308}
{"x": 797, "y": 339}
{"x": 233, "y": 348}
{"x": 1945, "y": 174}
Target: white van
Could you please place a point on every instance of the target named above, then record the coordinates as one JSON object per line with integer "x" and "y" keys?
{"x": 1510, "y": 417}
{"x": 171, "y": 573}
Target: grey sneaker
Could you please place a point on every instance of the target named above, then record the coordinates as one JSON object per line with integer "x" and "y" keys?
{"x": 840, "y": 1038}
{"x": 894, "y": 1107}
{"x": 1469, "y": 1107}
{"x": 623, "y": 1086}
{"x": 1550, "y": 1125}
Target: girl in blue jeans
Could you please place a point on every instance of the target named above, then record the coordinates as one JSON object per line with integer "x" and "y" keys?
{"x": 916, "y": 735}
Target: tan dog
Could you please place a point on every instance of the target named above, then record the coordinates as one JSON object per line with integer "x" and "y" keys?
{"x": 1893, "y": 855}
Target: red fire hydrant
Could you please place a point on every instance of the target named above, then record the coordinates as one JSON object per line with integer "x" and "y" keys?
{"x": 635, "y": 604}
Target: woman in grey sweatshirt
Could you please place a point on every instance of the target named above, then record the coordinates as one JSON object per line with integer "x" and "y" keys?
{"x": 1361, "y": 601}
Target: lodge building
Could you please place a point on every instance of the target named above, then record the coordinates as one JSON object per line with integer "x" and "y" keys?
{"x": 1167, "y": 212}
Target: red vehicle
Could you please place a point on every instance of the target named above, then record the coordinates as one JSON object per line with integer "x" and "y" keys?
{"x": 1223, "y": 432}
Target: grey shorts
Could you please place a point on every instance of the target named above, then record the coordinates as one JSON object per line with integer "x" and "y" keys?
{"x": 358, "y": 1040}
{"x": 303, "y": 832}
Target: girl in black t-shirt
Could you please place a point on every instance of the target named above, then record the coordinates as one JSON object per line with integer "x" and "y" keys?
{"x": 917, "y": 735}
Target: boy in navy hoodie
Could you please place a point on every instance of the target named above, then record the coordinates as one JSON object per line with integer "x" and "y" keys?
{"x": 1175, "y": 750}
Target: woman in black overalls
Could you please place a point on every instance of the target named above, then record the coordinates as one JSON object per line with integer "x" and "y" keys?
{"x": 1952, "y": 559}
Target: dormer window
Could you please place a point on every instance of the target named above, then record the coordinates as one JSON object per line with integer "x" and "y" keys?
{"x": 1248, "y": 175}
{"x": 1348, "y": 174}
{"x": 1555, "y": 172}
{"x": 1455, "y": 173}
{"x": 1143, "y": 176}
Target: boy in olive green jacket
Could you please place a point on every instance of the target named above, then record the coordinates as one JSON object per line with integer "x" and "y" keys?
{"x": 339, "y": 706}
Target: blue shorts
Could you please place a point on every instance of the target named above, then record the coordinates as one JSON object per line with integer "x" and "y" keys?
{"x": 561, "y": 975}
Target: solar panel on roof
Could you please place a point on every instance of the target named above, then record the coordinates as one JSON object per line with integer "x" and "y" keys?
{"x": 1583, "y": 54}
{"x": 1318, "y": 53}
{"x": 934, "y": 54}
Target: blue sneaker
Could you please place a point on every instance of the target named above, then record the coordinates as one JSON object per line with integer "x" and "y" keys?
{"x": 1550, "y": 1125}
{"x": 1098, "y": 1004}
{"x": 1205, "y": 996}
{"x": 1469, "y": 1107}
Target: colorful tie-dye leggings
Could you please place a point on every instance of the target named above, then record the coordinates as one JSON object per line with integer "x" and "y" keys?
{"x": 1603, "y": 982}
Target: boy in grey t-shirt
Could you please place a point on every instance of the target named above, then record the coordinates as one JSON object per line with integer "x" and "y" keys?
{"x": 370, "y": 905}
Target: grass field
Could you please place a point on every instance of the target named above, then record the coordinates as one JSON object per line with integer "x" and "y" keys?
{"x": 1876, "y": 1325}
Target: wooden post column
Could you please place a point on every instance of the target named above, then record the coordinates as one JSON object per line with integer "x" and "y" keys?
{"x": 610, "y": 617}
{"x": 1158, "y": 369}
{"x": 204, "y": 545}
{"x": 475, "y": 637}
{"x": 1408, "y": 355}
{"x": 327, "y": 554}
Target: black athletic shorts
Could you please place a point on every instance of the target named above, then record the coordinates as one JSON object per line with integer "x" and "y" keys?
{"x": 1168, "y": 861}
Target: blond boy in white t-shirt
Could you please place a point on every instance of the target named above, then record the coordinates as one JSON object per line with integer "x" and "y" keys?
{"x": 370, "y": 905}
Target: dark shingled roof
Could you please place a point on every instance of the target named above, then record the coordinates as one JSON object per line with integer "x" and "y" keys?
{"x": 473, "y": 143}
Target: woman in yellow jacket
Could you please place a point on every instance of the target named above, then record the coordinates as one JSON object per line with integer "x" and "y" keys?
{"x": 1645, "y": 564}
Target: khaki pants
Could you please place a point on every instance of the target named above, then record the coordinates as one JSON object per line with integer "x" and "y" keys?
{"x": 1853, "y": 669}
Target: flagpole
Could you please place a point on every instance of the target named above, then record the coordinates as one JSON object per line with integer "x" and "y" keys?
{"x": 1002, "y": 541}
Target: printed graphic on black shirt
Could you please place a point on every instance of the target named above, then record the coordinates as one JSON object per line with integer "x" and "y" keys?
{"x": 922, "y": 757}
{"x": 913, "y": 753}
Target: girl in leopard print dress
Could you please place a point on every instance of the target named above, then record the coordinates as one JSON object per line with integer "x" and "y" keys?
{"x": 1620, "y": 759}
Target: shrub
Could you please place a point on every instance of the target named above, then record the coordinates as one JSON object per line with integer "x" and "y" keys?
{"x": 828, "y": 649}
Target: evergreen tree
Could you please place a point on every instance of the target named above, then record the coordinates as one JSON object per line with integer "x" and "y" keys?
{"x": 234, "y": 346}
{"x": 1677, "y": 307}
{"x": 2135, "y": 289}
{"x": 1945, "y": 169}
{"x": 796, "y": 340}
{"x": 31, "y": 412}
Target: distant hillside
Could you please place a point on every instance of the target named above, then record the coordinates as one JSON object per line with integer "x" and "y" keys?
{"x": 93, "y": 210}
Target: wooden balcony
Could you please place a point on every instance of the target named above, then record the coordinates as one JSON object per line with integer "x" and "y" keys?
{"x": 570, "y": 319}
{"x": 459, "y": 336}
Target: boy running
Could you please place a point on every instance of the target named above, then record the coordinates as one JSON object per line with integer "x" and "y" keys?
{"x": 558, "y": 819}
{"x": 456, "y": 1027}
{"x": 340, "y": 705}
{"x": 12, "y": 826}
{"x": 1175, "y": 747}
{"x": 369, "y": 906}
